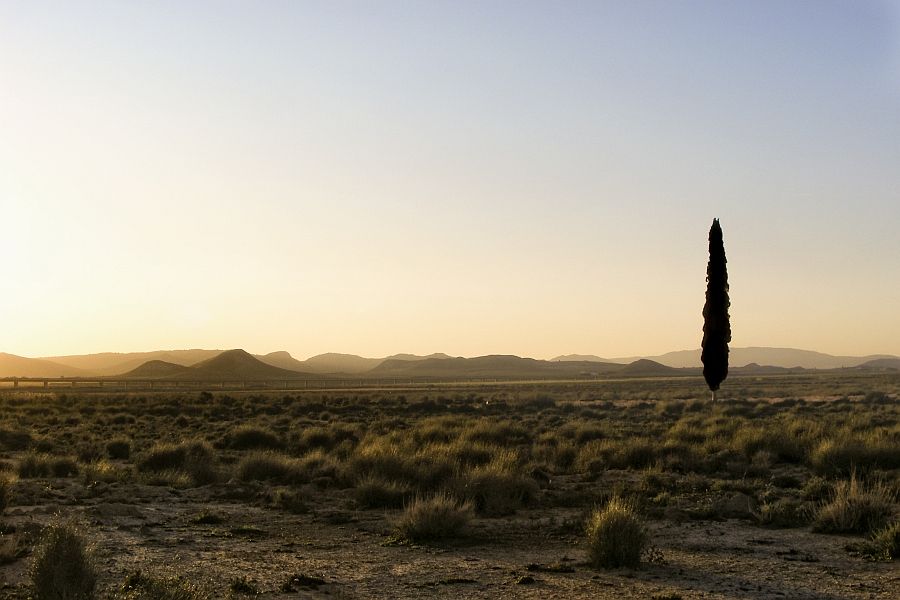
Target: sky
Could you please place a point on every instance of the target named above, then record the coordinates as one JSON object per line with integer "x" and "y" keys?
{"x": 531, "y": 178}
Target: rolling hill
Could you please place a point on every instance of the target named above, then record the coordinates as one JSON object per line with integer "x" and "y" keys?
{"x": 776, "y": 357}
{"x": 881, "y": 363}
{"x": 156, "y": 369}
{"x": 228, "y": 365}
{"x": 12, "y": 365}
{"x": 496, "y": 365}
{"x": 115, "y": 363}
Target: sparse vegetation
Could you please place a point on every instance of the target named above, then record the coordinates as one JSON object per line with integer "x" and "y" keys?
{"x": 62, "y": 567}
{"x": 438, "y": 517}
{"x": 855, "y": 508}
{"x": 141, "y": 586}
{"x": 615, "y": 536}
{"x": 420, "y": 464}
{"x": 195, "y": 458}
{"x": 885, "y": 543}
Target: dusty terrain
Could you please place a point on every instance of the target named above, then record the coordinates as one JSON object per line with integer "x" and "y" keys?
{"x": 232, "y": 530}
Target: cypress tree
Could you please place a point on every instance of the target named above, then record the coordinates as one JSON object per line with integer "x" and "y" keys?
{"x": 716, "y": 325}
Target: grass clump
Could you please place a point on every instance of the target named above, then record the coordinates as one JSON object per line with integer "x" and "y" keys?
{"x": 854, "y": 508}
{"x": 242, "y": 585}
{"x": 615, "y": 535}
{"x": 195, "y": 458}
{"x": 885, "y": 543}
{"x": 140, "y": 586}
{"x": 35, "y": 465}
{"x": 845, "y": 454}
{"x": 498, "y": 488}
{"x": 375, "y": 492}
{"x": 103, "y": 471}
{"x": 436, "y": 518}
{"x": 5, "y": 492}
{"x": 784, "y": 513}
{"x": 252, "y": 437}
{"x": 62, "y": 566}
{"x": 118, "y": 449}
{"x": 14, "y": 439}
{"x": 272, "y": 466}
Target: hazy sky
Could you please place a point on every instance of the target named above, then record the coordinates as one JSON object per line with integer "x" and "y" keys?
{"x": 372, "y": 177}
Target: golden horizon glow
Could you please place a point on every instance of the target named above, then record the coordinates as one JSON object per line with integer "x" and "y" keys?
{"x": 315, "y": 178}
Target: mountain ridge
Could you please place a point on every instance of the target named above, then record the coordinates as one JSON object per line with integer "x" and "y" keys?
{"x": 757, "y": 358}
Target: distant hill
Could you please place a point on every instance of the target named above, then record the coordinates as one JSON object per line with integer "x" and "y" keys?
{"x": 332, "y": 362}
{"x": 749, "y": 360}
{"x": 238, "y": 364}
{"x": 489, "y": 366}
{"x": 352, "y": 364}
{"x": 881, "y": 363}
{"x": 156, "y": 369}
{"x": 437, "y": 355}
{"x": 755, "y": 369}
{"x": 227, "y": 365}
{"x": 283, "y": 360}
{"x": 645, "y": 367}
{"x": 21, "y": 366}
{"x": 583, "y": 358}
{"x": 116, "y": 363}
{"x": 776, "y": 357}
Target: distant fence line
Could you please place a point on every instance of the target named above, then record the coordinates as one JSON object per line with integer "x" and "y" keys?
{"x": 112, "y": 384}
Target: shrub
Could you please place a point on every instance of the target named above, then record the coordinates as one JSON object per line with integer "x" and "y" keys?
{"x": 785, "y": 512}
{"x": 438, "y": 517}
{"x": 196, "y": 458}
{"x": 751, "y": 440}
{"x": 817, "y": 489}
{"x": 498, "y": 488}
{"x": 854, "y": 508}
{"x": 139, "y": 586}
{"x": 13, "y": 439}
{"x": 5, "y": 493}
{"x": 35, "y": 464}
{"x": 616, "y": 537}
{"x": 250, "y": 437}
{"x": 242, "y": 585}
{"x": 118, "y": 449}
{"x": 496, "y": 433}
{"x": 324, "y": 438}
{"x": 374, "y": 492}
{"x": 63, "y": 466}
{"x": 104, "y": 471}
{"x": 62, "y": 567}
{"x": 279, "y": 468}
{"x": 842, "y": 455}
{"x": 290, "y": 500}
{"x": 885, "y": 544}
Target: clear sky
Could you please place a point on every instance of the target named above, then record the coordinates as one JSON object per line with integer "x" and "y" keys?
{"x": 533, "y": 178}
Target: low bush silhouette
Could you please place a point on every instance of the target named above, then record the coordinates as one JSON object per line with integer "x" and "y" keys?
{"x": 436, "y": 518}
{"x": 62, "y": 566}
{"x": 615, "y": 536}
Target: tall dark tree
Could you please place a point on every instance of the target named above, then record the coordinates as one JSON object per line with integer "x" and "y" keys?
{"x": 716, "y": 323}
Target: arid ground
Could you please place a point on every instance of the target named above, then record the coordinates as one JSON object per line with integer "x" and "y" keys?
{"x": 783, "y": 489}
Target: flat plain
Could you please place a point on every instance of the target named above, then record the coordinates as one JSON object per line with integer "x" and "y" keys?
{"x": 787, "y": 487}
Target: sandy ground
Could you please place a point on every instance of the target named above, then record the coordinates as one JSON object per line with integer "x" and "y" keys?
{"x": 533, "y": 554}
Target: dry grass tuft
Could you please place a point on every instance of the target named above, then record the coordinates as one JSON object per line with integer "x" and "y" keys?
{"x": 616, "y": 537}
{"x": 436, "y": 518}
{"x": 854, "y": 508}
{"x": 62, "y": 567}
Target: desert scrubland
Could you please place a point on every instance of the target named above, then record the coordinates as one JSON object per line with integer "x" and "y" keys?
{"x": 788, "y": 487}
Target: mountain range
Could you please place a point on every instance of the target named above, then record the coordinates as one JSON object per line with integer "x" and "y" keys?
{"x": 776, "y": 357}
{"x": 198, "y": 364}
